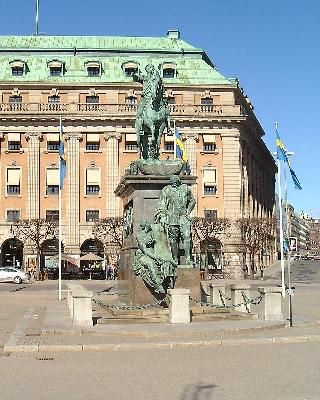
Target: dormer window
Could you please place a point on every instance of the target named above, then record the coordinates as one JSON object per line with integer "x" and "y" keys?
{"x": 93, "y": 68}
{"x": 130, "y": 68}
{"x": 18, "y": 68}
{"x": 56, "y": 68}
{"x": 169, "y": 71}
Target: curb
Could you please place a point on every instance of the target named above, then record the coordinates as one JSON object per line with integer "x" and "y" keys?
{"x": 157, "y": 345}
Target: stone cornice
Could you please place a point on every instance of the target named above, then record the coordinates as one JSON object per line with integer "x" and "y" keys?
{"x": 190, "y": 135}
{"x": 110, "y": 135}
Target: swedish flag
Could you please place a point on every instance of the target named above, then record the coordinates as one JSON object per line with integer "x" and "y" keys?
{"x": 282, "y": 155}
{"x": 180, "y": 150}
{"x": 63, "y": 164}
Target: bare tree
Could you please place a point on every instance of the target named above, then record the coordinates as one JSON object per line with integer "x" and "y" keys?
{"x": 205, "y": 229}
{"x": 35, "y": 231}
{"x": 257, "y": 235}
{"x": 109, "y": 231}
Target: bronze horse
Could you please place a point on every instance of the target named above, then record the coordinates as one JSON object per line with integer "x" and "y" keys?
{"x": 149, "y": 129}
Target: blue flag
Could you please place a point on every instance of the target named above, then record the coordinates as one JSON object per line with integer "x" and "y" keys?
{"x": 63, "y": 165}
{"x": 180, "y": 150}
{"x": 282, "y": 156}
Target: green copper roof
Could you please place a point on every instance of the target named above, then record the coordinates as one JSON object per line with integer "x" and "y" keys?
{"x": 192, "y": 64}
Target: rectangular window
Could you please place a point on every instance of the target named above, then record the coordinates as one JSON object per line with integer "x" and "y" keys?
{"x": 92, "y": 215}
{"x": 211, "y": 214}
{"x": 169, "y": 146}
{"x": 93, "y": 71}
{"x": 131, "y": 141}
{"x": 169, "y": 73}
{"x": 54, "y": 99}
{"x": 15, "y": 99}
{"x": 17, "y": 71}
{"x": 209, "y": 142}
{"x": 209, "y": 146}
{"x": 206, "y": 101}
{"x": 52, "y": 190}
{"x": 93, "y": 190}
{"x": 13, "y": 181}
{"x": 93, "y": 181}
{"x": 93, "y": 142}
{"x": 14, "y": 146}
{"x": 210, "y": 190}
{"x": 53, "y": 146}
{"x": 55, "y": 71}
{"x": 52, "y": 215}
{"x": 13, "y": 215}
{"x": 92, "y": 99}
{"x": 209, "y": 182}
{"x": 52, "y": 141}
{"x": 130, "y": 100}
{"x": 130, "y": 71}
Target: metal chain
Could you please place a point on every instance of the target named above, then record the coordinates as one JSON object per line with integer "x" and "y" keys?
{"x": 110, "y": 294}
{"x": 246, "y": 301}
{"x": 126, "y": 307}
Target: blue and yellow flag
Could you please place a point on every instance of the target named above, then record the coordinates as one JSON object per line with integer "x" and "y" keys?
{"x": 180, "y": 150}
{"x": 63, "y": 165}
{"x": 282, "y": 156}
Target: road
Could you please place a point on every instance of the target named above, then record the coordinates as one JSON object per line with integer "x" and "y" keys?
{"x": 248, "y": 372}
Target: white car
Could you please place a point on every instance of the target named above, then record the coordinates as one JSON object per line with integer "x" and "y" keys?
{"x": 10, "y": 274}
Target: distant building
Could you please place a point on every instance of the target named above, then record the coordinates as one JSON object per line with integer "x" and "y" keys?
{"x": 88, "y": 81}
{"x": 314, "y": 242}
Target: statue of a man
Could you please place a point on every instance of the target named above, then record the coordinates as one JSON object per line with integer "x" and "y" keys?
{"x": 152, "y": 91}
{"x": 175, "y": 205}
{"x": 153, "y": 260}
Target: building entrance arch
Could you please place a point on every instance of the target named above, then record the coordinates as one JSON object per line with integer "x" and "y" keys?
{"x": 12, "y": 253}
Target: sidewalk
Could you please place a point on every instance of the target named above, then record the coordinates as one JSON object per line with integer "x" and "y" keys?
{"x": 48, "y": 327}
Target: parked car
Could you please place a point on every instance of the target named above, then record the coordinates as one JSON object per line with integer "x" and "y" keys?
{"x": 10, "y": 274}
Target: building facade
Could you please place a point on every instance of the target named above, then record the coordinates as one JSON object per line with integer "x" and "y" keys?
{"x": 87, "y": 81}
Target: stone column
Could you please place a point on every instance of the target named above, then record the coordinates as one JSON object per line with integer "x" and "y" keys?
{"x": 72, "y": 241}
{"x": 33, "y": 209}
{"x": 190, "y": 142}
{"x": 232, "y": 172}
{"x": 113, "y": 175}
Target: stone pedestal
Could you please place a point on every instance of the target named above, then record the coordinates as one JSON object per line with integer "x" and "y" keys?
{"x": 237, "y": 297}
{"x": 82, "y": 308}
{"x": 271, "y": 303}
{"x": 179, "y": 308}
{"x": 140, "y": 195}
{"x": 189, "y": 278}
{"x": 218, "y": 294}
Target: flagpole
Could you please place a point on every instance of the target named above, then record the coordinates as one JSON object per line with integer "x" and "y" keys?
{"x": 281, "y": 224}
{"x": 37, "y": 18}
{"x": 60, "y": 224}
{"x": 174, "y": 141}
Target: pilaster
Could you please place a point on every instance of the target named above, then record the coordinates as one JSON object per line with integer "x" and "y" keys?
{"x": 113, "y": 175}
{"x": 72, "y": 242}
{"x": 33, "y": 207}
{"x": 190, "y": 143}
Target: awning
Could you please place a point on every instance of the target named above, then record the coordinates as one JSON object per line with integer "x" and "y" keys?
{"x": 93, "y": 64}
{"x": 131, "y": 137}
{"x": 209, "y": 138}
{"x": 14, "y": 137}
{"x": 130, "y": 65}
{"x": 53, "y": 178}
{"x": 17, "y": 64}
{"x": 93, "y": 176}
{"x": 169, "y": 138}
{"x": 209, "y": 176}
{"x": 52, "y": 137}
{"x": 169, "y": 66}
{"x": 13, "y": 176}
{"x": 93, "y": 137}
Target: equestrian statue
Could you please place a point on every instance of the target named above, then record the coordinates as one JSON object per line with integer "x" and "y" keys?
{"x": 152, "y": 114}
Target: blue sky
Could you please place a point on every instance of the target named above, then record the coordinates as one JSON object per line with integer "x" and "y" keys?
{"x": 271, "y": 46}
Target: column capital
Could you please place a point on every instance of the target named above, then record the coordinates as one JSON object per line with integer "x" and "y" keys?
{"x": 73, "y": 136}
{"x": 35, "y": 135}
{"x": 1, "y": 135}
{"x": 190, "y": 135}
{"x": 110, "y": 135}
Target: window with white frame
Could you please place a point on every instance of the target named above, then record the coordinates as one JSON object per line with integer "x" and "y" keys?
{"x": 14, "y": 141}
{"x": 131, "y": 141}
{"x": 209, "y": 181}
{"x": 93, "y": 68}
{"x": 52, "y": 181}
{"x": 53, "y": 141}
{"x": 92, "y": 215}
{"x": 13, "y": 181}
{"x": 209, "y": 142}
{"x": 93, "y": 181}
{"x": 93, "y": 142}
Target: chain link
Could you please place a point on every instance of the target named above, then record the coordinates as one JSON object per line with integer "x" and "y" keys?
{"x": 109, "y": 294}
{"x": 245, "y": 302}
{"x": 129, "y": 308}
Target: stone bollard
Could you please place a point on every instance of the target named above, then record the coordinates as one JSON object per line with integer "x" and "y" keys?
{"x": 82, "y": 307}
{"x": 217, "y": 294}
{"x": 237, "y": 298}
{"x": 71, "y": 287}
{"x": 271, "y": 303}
{"x": 179, "y": 307}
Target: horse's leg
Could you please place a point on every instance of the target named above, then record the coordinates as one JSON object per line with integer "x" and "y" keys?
{"x": 138, "y": 129}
